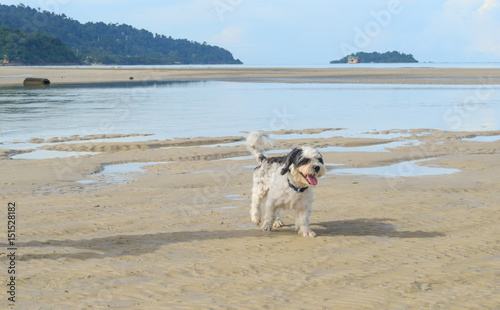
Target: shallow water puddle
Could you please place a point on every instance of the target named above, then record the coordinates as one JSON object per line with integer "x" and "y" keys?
{"x": 404, "y": 169}
{"x": 483, "y": 139}
{"x": 383, "y": 147}
{"x": 86, "y": 181}
{"x": 235, "y": 197}
{"x": 118, "y": 173}
{"x": 45, "y": 154}
{"x": 221, "y": 144}
{"x": 128, "y": 167}
{"x": 340, "y": 133}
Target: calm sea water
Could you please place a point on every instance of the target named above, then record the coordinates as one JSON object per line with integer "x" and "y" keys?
{"x": 321, "y": 65}
{"x": 191, "y": 109}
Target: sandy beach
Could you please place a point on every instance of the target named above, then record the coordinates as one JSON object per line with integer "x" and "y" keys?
{"x": 14, "y": 76}
{"x": 178, "y": 236}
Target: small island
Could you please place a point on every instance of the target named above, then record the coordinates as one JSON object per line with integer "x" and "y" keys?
{"x": 375, "y": 57}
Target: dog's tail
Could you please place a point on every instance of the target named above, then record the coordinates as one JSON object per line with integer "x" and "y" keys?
{"x": 257, "y": 143}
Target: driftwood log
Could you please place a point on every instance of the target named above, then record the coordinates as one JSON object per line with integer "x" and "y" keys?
{"x": 36, "y": 82}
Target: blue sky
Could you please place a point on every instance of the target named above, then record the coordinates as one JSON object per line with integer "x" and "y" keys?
{"x": 281, "y": 32}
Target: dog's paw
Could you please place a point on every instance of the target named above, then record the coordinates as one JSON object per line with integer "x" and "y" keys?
{"x": 267, "y": 227}
{"x": 278, "y": 224}
{"x": 256, "y": 220}
{"x": 308, "y": 233}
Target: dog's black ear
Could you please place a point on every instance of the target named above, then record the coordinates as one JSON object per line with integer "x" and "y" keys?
{"x": 289, "y": 159}
{"x": 321, "y": 158}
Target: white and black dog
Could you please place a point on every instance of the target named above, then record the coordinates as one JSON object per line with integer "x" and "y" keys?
{"x": 286, "y": 181}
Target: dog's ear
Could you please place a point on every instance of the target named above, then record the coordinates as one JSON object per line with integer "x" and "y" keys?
{"x": 289, "y": 159}
{"x": 321, "y": 158}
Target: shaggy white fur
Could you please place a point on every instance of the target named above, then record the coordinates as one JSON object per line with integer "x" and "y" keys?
{"x": 284, "y": 182}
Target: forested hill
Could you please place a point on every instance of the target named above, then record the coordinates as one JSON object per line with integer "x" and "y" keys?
{"x": 33, "y": 49}
{"x": 113, "y": 43}
{"x": 387, "y": 57}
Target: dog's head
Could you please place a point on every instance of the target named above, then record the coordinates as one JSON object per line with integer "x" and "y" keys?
{"x": 305, "y": 166}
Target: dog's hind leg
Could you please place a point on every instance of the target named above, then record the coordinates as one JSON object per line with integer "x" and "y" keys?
{"x": 258, "y": 194}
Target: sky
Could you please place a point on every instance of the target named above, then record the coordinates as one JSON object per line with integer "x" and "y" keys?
{"x": 314, "y": 32}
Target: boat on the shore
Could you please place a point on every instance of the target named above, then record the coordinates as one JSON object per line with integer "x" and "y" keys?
{"x": 353, "y": 59}
{"x": 5, "y": 60}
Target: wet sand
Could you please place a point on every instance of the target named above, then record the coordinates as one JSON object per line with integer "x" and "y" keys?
{"x": 14, "y": 76}
{"x": 179, "y": 236}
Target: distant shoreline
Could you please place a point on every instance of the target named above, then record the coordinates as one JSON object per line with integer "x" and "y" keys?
{"x": 14, "y": 76}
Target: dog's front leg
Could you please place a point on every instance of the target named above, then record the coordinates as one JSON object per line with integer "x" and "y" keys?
{"x": 278, "y": 223}
{"x": 269, "y": 215}
{"x": 302, "y": 222}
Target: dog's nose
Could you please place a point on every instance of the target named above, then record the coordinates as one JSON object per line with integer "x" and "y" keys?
{"x": 316, "y": 168}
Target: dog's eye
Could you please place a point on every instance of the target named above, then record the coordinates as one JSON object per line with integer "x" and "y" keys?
{"x": 304, "y": 161}
{"x": 321, "y": 160}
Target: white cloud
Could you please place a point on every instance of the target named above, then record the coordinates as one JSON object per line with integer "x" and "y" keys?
{"x": 178, "y": 13}
{"x": 228, "y": 36}
{"x": 466, "y": 30}
{"x": 483, "y": 29}
{"x": 485, "y": 23}
{"x": 489, "y": 4}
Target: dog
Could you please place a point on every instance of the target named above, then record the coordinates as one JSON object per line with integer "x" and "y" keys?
{"x": 286, "y": 181}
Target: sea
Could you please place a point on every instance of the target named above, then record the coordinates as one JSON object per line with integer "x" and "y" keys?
{"x": 167, "y": 110}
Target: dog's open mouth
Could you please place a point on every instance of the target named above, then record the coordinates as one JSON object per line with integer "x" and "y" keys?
{"x": 311, "y": 179}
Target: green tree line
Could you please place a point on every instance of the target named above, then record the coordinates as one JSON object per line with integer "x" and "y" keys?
{"x": 387, "y": 57}
{"x": 36, "y": 48}
{"x": 113, "y": 43}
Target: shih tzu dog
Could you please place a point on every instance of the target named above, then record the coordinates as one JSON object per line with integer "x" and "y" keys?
{"x": 286, "y": 181}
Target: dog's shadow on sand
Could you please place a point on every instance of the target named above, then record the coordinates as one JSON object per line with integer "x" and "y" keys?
{"x": 378, "y": 227}
{"x": 120, "y": 245}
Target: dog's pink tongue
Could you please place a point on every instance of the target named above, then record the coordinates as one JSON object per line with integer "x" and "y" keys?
{"x": 312, "y": 180}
